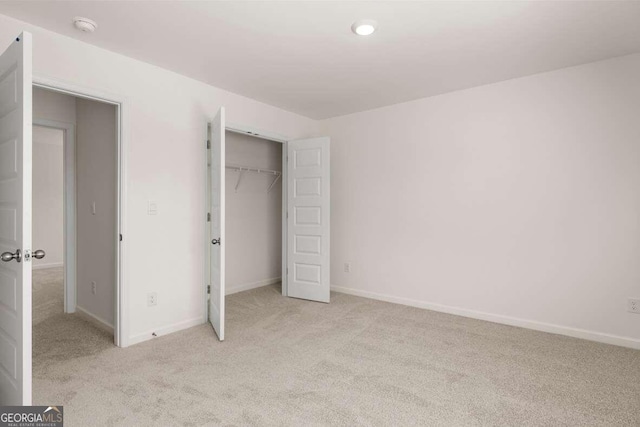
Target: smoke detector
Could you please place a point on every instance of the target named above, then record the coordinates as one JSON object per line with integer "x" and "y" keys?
{"x": 85, "y": 25}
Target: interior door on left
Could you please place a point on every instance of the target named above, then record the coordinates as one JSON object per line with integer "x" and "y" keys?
{"x": 15, "y": 222}
{"x": 216, "y": 184}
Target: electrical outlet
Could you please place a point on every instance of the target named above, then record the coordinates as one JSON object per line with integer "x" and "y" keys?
{"x": 152, "y": 299}
{"x": 633, "y": 305}
{"x": 94, "y": 288}
{"x": 347, "y": 267}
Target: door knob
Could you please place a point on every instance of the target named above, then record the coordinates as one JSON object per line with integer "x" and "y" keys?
{"x": 216, "y": 241}
{"x": 39, "y": 254}
{"x": 8, "y": 256}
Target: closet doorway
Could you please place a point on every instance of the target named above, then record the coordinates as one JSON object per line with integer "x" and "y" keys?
{"x": 267, "y": 219}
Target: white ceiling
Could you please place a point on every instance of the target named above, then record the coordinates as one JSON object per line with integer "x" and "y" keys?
{"x": 302, "y": 56}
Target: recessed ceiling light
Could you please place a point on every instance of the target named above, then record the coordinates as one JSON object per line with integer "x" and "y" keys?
{"x": 364, "y": 27}
{"x": 85, "y": 24}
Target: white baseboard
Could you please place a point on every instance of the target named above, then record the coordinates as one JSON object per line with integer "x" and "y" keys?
{"x": 254, "y": 285}
{"x": 135, "y": 339}
{"x": 185, "y": 324}
{"x": 45, "y": 266}
{"x": 497, "y": 318}
{"x": 99, "y": 322}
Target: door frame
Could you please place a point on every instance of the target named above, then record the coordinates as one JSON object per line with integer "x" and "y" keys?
{"x": 121, "y": 315}
{"x": 269, "y": 136}
{"x": 70, "y": 207}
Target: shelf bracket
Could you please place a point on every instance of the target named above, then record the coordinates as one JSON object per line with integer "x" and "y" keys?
{"x": 273, "y": 183}
{"x": 240, "y": 173}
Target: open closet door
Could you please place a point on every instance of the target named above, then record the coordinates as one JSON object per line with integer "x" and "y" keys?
{"x": 308, "y": 219}
{"x": 15, "y": 223}
{"x": 216, "y": 236}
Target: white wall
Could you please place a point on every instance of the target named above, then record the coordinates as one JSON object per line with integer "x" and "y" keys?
{"x": 49, "y": 105}
{"x": 48, "y": 195}
{"x": 253, "y": 216}
{"x": 516, "y": 202}
{"x": 165, "y": 162}
{"x": 48, "y": 230}
{"x": 96, "y": 174}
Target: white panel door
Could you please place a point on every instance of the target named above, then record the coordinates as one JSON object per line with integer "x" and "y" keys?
{"x": 15, "y": 223}
{"x": 308, "y": 219}
{"x": 216, "y": 195}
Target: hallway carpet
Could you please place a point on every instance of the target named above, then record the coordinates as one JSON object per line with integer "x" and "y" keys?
{"x": 352, "y": 362}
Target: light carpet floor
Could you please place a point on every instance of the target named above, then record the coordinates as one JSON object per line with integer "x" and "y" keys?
{"x": 356, "y": 361}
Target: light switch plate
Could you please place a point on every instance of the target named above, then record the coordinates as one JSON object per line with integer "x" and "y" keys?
{"x": 152, "y": 207}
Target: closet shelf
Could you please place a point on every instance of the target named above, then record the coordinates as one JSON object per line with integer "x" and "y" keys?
{"x": 242, "y": 169}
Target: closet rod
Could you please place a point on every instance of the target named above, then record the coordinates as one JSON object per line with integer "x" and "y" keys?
{"x": 248, "y": 169}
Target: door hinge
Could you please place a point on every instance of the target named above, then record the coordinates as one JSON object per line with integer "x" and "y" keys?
{"x": 287, "y": 271}
{"x": 287, "y": 214}
{"x": 208, "y": 216}
{"x": 121, "y": 237}
{"x": 208, "y": 144}
{"x": 208, "y": 289}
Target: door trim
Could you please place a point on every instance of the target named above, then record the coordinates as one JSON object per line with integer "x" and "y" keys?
{"x": 121, "y": 317}
{"x": 70, "y": 249}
